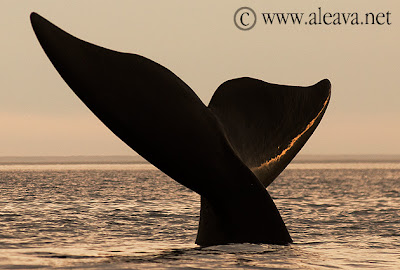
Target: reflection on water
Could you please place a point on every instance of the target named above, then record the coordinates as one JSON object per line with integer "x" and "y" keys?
{"x": 133, "y": 216}
{"x": 76, "y": 167}
{"x": 344, "y": 166}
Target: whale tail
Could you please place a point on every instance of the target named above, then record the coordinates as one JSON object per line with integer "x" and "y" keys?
{"x": 267, "y": 124}
{"x": 206, "y": 149}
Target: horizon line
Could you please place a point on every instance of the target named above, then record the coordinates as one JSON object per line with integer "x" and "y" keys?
{"x": 135, "y": 159}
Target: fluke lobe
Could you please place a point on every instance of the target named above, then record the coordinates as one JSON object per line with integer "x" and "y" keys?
{"x": 228, "y": 152}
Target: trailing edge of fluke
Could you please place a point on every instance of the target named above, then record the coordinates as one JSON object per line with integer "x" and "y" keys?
{"x": 228, "y": 152}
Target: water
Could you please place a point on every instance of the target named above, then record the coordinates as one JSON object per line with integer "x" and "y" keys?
{"x": 340, "y": 216}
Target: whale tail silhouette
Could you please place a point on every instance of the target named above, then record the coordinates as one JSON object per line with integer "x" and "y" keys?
{"x": 268, "y": 124}
{"x": 227, "y": 152}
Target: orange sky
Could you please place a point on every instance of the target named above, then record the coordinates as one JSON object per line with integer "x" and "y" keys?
{"x": 197, "y": 40}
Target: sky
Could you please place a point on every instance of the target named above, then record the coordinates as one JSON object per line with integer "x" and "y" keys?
{"x": 199, "y": 42}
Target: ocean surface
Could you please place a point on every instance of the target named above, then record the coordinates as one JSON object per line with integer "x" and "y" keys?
{"x": 341, "y": 215}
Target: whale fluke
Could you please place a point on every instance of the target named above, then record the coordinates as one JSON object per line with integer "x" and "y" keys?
{"x": 162, "y": 119}
{"x": 267, "y": 124}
